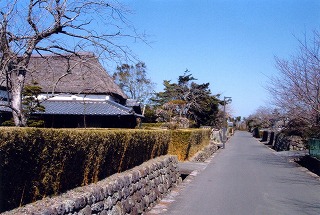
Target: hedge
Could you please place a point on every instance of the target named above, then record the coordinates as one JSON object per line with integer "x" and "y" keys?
{"x": 35, "y": 163}
{"x": 186, "y": 143}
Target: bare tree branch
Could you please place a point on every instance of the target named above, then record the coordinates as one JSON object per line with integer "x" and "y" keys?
{"x": 296, "y": 88}
{"x": 58, "y": 27}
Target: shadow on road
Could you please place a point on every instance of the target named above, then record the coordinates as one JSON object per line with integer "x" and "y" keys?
{"x": 301, "y": 206}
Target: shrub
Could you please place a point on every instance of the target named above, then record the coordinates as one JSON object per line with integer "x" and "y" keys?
{"x": 152, "y": 125}
{"x": 35, "y": 163}
{"x": 186, "y": 143}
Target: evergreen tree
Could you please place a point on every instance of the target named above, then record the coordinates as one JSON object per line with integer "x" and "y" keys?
{"x": 187, "y": 99}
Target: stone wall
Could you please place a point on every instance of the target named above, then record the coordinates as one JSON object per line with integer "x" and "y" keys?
{"x": 282, "y": 142}
{"x": 271, "y": 138}
{"x": 130, "y": 192}
{"x": 285, "y": 143}
{"x": 255, "y": 132}
{"x": 265, "y": 135}
{"x": 204, "y": 154}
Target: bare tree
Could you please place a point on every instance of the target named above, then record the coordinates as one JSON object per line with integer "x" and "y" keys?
{"x": 296, "y": 88}
{"x": 55, "y": 27}
{"x": 262, "y": 117}
{"x": 134, "y": 81}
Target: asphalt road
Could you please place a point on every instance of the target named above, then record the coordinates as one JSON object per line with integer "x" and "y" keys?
{"x": 248, "y": 178}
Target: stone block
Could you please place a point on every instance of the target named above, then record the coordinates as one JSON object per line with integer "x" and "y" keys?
{"x": 139, "y": 185}
{"x": 152, "y": 196}
{"x": 139, "y": 207}
{"x": 153, "y": 167}
{"x": 157, "y": 192}
{"x": 116, "y": 210}
{"x": 108, "y": 203}
{"x": 166, "y": 162}
{"x": 120, "y": 182}
{"x": 97, "y": 194}
{"x": 157, "y": 181}
{"x": 126, "y": 180}
{"x": 143, "y": 191}
{"x": 49, "y": 211}
{"x": 142, "y": 172}
{"x": 113, "y": 187}
{"x": 85, "y": 211}
{"x": 114, "y": 198}
{"x": 162, "y": 171}
{"x": 126, "y": 206}
{"x": 161, "y": 188}
{"x": 107, "y": 191}
{"x": 147, "y": 170}
{"x": 132, "y": 189}
{"x": 151, "y": 176}
{"x": 134, "y": 211}
{"x": 264, "y": 136}
{"x": 144, "y": 182}
{"x": 104, "y": 212}
{"x": 80, "y": 202}
{"x": 135, "y": 176}
{"x": 146, "y": 201}
{"x": 69, "y": 205}
{"x": 125, "y": 192}
{"x": 60, "y": 208}
{"x": 97, "y": 207}
{"x": 137, "y": 197}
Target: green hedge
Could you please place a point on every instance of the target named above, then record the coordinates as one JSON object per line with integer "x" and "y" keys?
{"x": 35, "y": 163}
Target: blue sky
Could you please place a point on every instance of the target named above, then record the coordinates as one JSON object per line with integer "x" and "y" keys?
{"x": 230, "y": 44}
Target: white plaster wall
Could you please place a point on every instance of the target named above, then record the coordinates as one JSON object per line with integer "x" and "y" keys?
{"x": 78, "y": 97}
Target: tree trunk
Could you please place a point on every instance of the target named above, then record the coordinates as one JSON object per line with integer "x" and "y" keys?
{"x": 17, "y": 81}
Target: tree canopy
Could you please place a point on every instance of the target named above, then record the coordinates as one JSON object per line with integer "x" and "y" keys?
{"x": 187, "y": 99}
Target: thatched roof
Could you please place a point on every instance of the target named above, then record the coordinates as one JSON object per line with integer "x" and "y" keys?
{"x": 71, "y": 74}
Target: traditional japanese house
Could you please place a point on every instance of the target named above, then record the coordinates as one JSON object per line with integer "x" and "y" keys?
{"x": 76, "y": 91}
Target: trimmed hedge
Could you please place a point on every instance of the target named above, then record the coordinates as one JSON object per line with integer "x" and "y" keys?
{"x": 35, "y": 163}
{"x": 186, "y": 143}
{"x": 152, "y": 125}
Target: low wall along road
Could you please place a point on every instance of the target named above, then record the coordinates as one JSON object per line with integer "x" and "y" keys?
{"x": 130, "y": 192}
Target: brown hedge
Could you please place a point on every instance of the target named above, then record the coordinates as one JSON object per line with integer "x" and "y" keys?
{"x": 35, "y": 163}
{"x": 186, "y": 143}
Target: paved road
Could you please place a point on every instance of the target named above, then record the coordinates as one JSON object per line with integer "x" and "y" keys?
{"x": 249, "y": 178}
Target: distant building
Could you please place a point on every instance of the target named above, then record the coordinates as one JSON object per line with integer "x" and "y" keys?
{"x": 77, "y": 92}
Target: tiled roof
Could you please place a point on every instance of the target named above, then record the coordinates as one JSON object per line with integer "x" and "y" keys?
{"x": 80, "y": 108}
{"x": 84, "y": 108}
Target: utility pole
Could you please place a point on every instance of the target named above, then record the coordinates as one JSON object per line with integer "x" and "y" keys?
{"x": 224, "y": 129}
